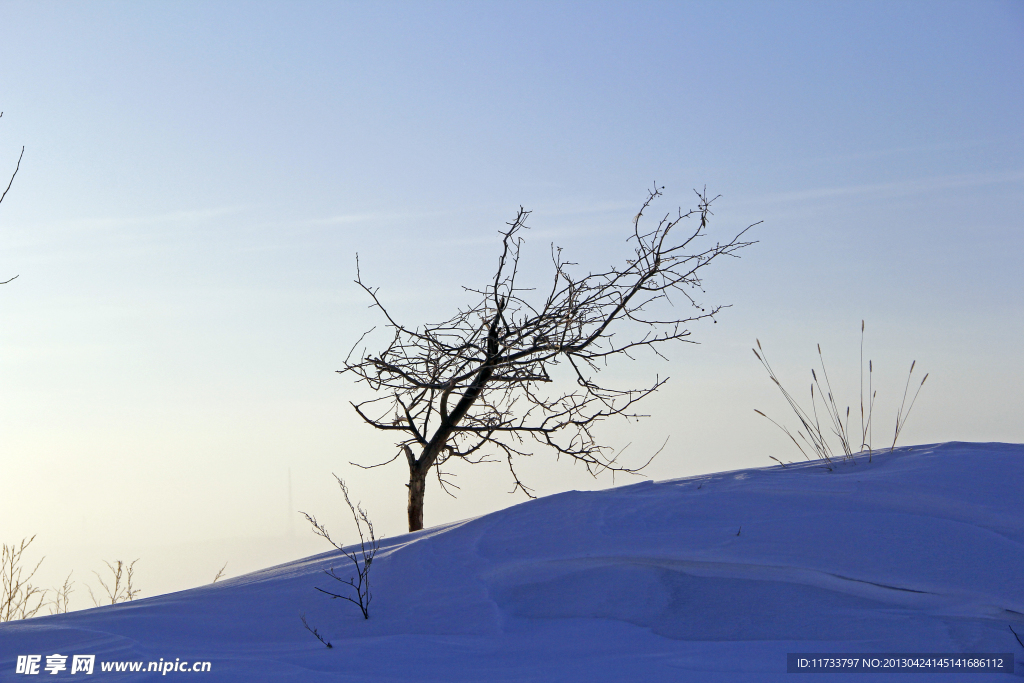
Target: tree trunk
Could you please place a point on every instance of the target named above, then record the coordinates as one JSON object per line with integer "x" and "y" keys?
{"x": 417, "y": 487}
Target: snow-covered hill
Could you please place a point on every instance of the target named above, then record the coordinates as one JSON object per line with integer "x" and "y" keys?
{"x": 713, "y": 578}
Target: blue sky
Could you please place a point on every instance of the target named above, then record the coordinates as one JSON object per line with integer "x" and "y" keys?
{"x": 198, "y": 178}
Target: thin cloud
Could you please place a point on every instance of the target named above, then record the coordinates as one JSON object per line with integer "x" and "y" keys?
{"x": 115, "y": 222}
{"x": 897, "y": 151}
{"x": 898, "y": 188}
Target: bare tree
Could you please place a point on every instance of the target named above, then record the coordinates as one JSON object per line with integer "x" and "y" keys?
{"x": 479, "y": 385}
{"x": 19, "y": 599}
{"x": 361, "y": 559}
{"x": 11, "y": 182}
{"x": 121, "y": 588}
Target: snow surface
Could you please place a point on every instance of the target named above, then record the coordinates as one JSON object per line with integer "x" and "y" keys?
{"x": 710, "y": 578}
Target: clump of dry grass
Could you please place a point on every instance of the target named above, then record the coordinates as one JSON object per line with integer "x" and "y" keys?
{"x": 121, "y": 587}
{"x": 19, "y": 599}
{"x": 836, "y": 422}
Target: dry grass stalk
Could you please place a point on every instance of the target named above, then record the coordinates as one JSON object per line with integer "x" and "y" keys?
{"x": 811, "y": 435}
{"x": 59, "y": 604}
{"x": 901, "y": 417}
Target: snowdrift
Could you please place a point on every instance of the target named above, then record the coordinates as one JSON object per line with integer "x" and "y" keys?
{"x": 710, "y": 578}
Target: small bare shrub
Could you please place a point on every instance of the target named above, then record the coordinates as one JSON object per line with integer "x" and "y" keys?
{"x": 361, "y": 558}
{"x": 19, "y": 599}
{"x": 59, "y": 604}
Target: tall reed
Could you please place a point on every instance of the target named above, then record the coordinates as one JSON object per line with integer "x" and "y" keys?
{"x": 836, "y": 422}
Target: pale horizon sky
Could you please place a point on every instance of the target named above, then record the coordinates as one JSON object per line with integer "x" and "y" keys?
{"x": 198, "y": 178}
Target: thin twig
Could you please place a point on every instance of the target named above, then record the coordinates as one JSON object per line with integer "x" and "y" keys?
{"x": 1015, "y": 635}
{"x": 315, "y": 632}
